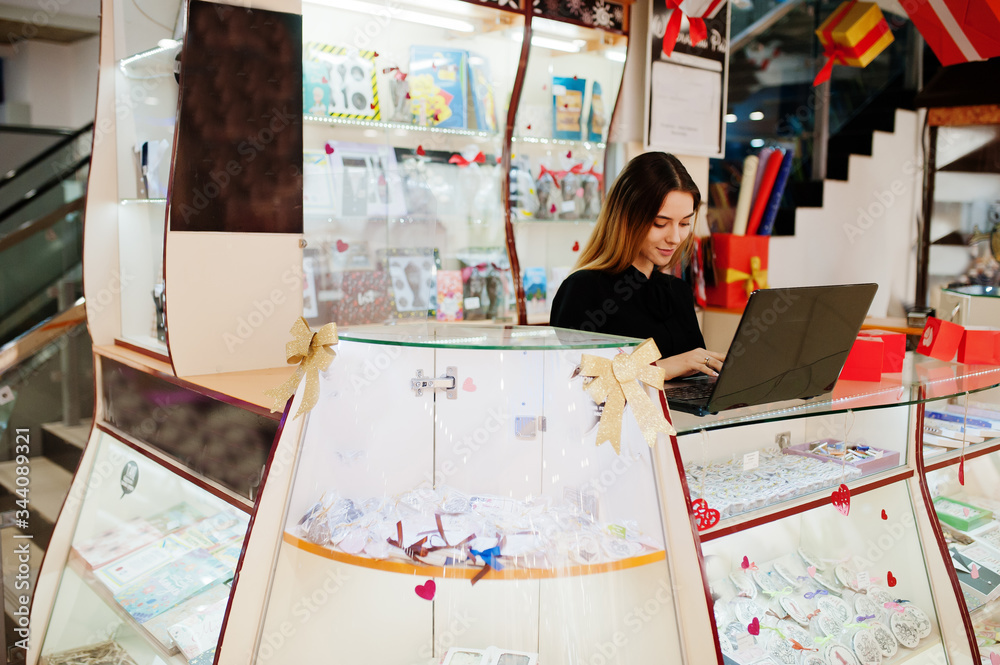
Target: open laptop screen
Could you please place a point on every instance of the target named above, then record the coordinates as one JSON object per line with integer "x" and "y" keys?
{"x": 791, "y": 343}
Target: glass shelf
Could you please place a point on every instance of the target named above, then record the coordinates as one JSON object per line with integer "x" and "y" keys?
{"x": 454, "y": 336}
{"x": 938, "y": 379}
{"x": 393, "y": 126}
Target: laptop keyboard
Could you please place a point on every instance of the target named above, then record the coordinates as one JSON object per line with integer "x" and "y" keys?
{"x": 694, "y": 391}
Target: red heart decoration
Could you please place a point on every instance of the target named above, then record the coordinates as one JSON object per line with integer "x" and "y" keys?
{"x": 469, "y": 386}
{"x": 569, "y": 155}
{"x": 961, "y": 472}
{"x": 974, "y": 571}
{"x": 574, "y": 78}
{"x": 421, "y": 151}
{"x": 706, "y": 517}
{"x": 566, "y": 106}
{"x": 529, "y": 128}
{"x": 841, "y": 498}
{"x": 745, "y": 564}
{"x": 342, "y": 246}
{"x": 754, "y": 627}
{"x": 426, "y": 590}
{"x": 323, "y": 79}
{"x": 372, "y": 105}
{"x": 889, "y": 579}
{"x": 407, "y": 95}
{"x": 811, "y": 570}
{"x": 376, "y": 54}
{"x": 328, "y": 148}
{"x": 966, "y": 511}
{"x": 884, "y": 516}
{"x": 576, "y": 246}
{"x": 553, "y": 208}
{"x": 994, "y": 658}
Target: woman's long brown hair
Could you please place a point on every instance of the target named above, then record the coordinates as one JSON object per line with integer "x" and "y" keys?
{"x": 630, "y": 208}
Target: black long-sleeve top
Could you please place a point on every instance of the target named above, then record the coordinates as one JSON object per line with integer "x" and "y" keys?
{"x": 632, "y": 305}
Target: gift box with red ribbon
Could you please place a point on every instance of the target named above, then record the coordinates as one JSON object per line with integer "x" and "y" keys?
{"x": 740, "y": 268}
{"x": 940, "y": 339}
{"x": 852, "y": 35}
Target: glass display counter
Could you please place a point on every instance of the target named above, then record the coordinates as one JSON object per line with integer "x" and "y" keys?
{"x": 140, "y": 565}
{"x": 961, "y": 439}
{"x": 404, "y": 118}
{"x": 450, "y": 501}
{"x": 818, "y": 546}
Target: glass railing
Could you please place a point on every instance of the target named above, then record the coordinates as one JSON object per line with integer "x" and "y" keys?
{"x": 33, "y": 258}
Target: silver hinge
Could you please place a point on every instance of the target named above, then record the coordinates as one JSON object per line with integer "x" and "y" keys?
{"x": 448, "y": 382}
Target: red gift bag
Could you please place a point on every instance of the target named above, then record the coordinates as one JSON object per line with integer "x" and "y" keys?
{"x": 740, "y": 268}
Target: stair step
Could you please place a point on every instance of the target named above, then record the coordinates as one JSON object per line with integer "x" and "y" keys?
{"x": 47, "y": 488}
{"x": 64, "y": 444}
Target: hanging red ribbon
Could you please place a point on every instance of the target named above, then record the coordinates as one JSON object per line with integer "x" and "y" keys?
{"x": 599, "y": 176}
{"x": 462, "y": 161}
{"x": 673, "y": 27}
{"x": 555, "y": 176}
{"x": 697, "y": 30}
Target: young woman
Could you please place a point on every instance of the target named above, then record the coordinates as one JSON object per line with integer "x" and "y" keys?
{"x": 617, "y": 287}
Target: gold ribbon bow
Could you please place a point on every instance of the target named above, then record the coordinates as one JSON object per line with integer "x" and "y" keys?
{"x": 755, "y": 276}
{"x": 615, "y": 385}
{"x": 309, "y": 350}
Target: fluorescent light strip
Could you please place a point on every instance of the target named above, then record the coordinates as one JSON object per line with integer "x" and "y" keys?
{"x": 550, "y": 43}
{"x": 402, "y": 14}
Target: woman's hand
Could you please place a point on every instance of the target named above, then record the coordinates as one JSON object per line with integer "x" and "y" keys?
{"x": 692, "y": 362}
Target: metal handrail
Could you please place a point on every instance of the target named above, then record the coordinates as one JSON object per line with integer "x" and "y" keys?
{"x": 43, "y": 155}
{"x": 29, "y": 229}
{"x": 762, "y": 24}
{"x": 29, "y": 343}
{"x": 49, "y": 184}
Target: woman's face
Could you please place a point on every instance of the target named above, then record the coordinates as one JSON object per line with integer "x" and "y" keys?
{"x": 671, "y": 226}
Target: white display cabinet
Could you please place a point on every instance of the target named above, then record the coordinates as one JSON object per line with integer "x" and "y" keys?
{"x": 446, "y": 490}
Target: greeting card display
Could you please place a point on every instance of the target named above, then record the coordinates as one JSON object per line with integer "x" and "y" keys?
{"x": 117, "y": 542}
{"x": 317, "y": 182}
{"x": 483, "y": 100}
{"x": 171, "y": 584}
{"x": 366, "y": 181}
{"x": 340, "y": 80}
{"x": 485, "y": 283}
{"x": 413, "y": 278}
{"x": 438, "y": 86}
{"x": 534, "y": 279}
{"x": 567, "y": 107}
{"x": 366, "y": 298}
{"x": 598, "y": 118}
{"x": 449, "y": 295}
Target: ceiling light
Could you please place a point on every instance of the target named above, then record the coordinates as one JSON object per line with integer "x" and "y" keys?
{"x": 731, "y": 117}
{"x": 757, "y": 143}
{"x": 615, "y": 55}
{"x": 756, "y": 115}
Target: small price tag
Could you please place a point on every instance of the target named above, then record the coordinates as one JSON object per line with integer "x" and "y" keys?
{"x": 472, "y": 302}
{"x": 751, "y": 460}
{"x": 558, "y": 90}
{"x": 568, "y": 206}
{"x": 863, "y": 580}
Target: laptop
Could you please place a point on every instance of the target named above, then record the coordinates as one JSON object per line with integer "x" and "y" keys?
{"x": 791, "y": 344}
